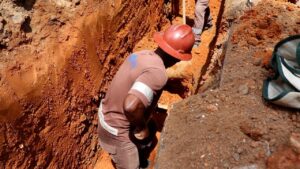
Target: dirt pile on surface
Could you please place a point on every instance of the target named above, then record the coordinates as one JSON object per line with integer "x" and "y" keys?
{"x": 258, "y": 30}
{"x": 54, "y": 63}
{"x": 231, "y": 126}
{"x": 27, "y": 22}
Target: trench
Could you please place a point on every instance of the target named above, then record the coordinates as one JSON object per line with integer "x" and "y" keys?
{"x": 58, "y": 62}
{"x": 200, "y": 74}
{"x": 186, "y": 78}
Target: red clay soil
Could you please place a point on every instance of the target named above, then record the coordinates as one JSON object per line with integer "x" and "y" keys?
{"x": 231, "y": 126}
{"x": 53, "y": 70}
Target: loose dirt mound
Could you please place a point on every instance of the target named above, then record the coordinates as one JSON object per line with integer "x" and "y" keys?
{"x": 231, "y": 126}
{"x": 55, "y": 60}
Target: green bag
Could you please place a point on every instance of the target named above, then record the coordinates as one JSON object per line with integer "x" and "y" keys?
{"x": 284, "y": 88}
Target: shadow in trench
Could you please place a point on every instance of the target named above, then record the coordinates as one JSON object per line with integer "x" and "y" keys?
{"x": 26, "y": 4}
{"x": 159, "y": 118}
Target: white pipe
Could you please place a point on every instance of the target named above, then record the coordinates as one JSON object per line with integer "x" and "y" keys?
{"x": 183, "y": 12}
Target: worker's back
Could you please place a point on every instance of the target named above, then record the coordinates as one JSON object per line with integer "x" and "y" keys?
{"x": 144, "y": 67}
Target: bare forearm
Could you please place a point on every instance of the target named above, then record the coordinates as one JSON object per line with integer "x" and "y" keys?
{"x": 136, "y": 119}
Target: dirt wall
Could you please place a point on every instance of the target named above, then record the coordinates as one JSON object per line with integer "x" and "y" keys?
{"x": 50, "y": 84}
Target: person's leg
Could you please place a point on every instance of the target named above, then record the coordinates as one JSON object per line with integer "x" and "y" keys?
{"x": 200, "y": 9}
{"x": 207, "y": 20}
{"x": 124, "y": 154}
{"x": 146, "y": 146}
{"x": 127, "y": 156}
{"x": 175, "y": 7}
{"x": 145, "y": 151}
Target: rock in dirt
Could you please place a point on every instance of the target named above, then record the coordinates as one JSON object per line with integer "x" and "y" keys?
{"x": 285, "y": 157}
{"x": 244, "y": 89}
{"x": 240, "y": 150}
{"x": 295, "y": 142}
{"x": 18, "y": 18}
{"x": 252, "y": 131}
{"x": 21, "y": 146}
{"x": 252, "y": 41}
{"x": 250, "y": 166}
{"x": 2, "y": 21}
{"x": 257, "y": 61}
{"x": 236, "y": 157}
{"x": 63, "y": 3}
{"x": 82, "y": 118}
{"x": 53, "y": 18}
{"x": 96, "y": 98}
{"x": 211, "y": 108}
{"x": 1, "y": 26}
{"x": 254, "y": 144}
{"x": 46, "y": 130}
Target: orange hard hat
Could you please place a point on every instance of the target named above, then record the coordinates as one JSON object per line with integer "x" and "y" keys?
{"x": 177, "y": 41}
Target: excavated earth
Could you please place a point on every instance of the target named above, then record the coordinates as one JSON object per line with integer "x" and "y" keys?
{"x": 230, "y": 125}
{"x": 57, "y": 58}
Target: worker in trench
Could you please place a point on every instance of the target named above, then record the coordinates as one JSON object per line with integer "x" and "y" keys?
{"x": 202, "y": 20}
{"x": 126, "y": 129}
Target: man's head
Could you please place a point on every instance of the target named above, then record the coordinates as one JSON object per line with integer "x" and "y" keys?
{"x": 177, "y": 41}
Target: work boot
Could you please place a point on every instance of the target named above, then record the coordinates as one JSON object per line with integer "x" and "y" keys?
{"x": 197, "y": 34}
{"x": 197, "y": 44}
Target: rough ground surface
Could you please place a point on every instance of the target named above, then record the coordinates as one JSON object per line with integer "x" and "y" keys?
{"x": 231, "y": 126}
{"x": 56, "y": 58}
